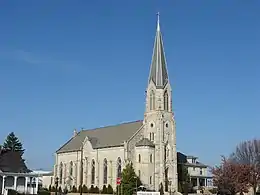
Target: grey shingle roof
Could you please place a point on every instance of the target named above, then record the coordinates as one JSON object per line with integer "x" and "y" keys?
{"x": 109, "y": 136}
{"x": 145, "y": 142}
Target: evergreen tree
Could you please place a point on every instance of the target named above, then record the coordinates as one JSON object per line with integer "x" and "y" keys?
{"x": 12, "y": 143}
{"x": 129, "y": 180}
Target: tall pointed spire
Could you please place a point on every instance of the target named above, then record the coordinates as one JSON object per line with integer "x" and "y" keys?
{"x": 158, "y": 69}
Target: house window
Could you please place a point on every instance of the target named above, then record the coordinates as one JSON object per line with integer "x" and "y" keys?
{"x": 166, "y": 101}
{"x": 93, "y": 172}
{"x": 201, "y": 171}
{"x": 139, "y": 158}
{"x": 193, "y": 168}
{"x": 139, "y": 173}
{"x": 152, "y": 100}
{"x": 151, "y": 158}
{"x": 105, "y": 172}
{"x": 151, "y": 179}
{"x": 119, "y": 167}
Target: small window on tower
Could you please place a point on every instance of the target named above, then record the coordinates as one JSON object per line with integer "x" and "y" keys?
{"x": 151, "y": 136}
{"x": 151, "y": 125}
{"x": 166, "y": 125}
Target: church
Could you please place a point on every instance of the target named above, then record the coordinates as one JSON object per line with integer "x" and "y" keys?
{"x": 150, "y": 144}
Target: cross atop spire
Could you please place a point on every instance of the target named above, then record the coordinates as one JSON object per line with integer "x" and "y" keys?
{"x": 158, "y": 70}
{"x": 158, "y": 21}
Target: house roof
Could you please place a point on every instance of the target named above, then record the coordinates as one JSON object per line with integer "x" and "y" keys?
{"x": 197, "y": 164}
{"x": 12, "y": 162}
{"x": 109, "y": 136}
{"x": 145, "y": 142}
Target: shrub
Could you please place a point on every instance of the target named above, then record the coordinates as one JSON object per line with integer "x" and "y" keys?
{"x": 96, "y": 190}
{"x": 44, "y": 192}
{"x": 104, "y": 190}
{"x": 12, "y": 192}
{"x": 213, "y": 190}
{"x": 110, "y": 189}
{"x": 79, "y": 188}
{"x": 53, "y": 189}
{"x": 92, "y": 189}
{"x": 65, "y": 191}
{"x": 74, "y": 189}
{"x": 84, "y": 189}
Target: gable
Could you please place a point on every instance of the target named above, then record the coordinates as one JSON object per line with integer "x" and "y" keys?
{"x": 110, "y": 136}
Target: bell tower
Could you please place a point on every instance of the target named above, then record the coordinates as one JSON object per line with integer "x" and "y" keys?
{"x": 159, "y": 120}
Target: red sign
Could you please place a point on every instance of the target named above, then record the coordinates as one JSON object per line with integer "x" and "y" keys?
{"x": 118, "y": 181}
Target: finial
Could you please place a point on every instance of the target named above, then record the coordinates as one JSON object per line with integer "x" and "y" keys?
{"x": 158, "y": 21}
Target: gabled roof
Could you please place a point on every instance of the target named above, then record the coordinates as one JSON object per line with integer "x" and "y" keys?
{"x": 12, "y": 162}
{"x": 103, "y": 137}
{"x": 144, "y": 142}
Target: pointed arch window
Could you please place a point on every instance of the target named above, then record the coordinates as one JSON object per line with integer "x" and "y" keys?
{"x": 61, "y": 173}
{"x": 152, "y": 100}
{"x": 119, "y": 167}
{"x": 166, "y": 100}
{"x": 93, "y": 172}
{"x": 139, "y": 158}
{"x": 71, "y": 168}
{"x": 86, "y": 172}
{"x": 105, "y": 172}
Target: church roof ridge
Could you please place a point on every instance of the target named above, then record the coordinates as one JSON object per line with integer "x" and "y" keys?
{"x": 108, "y": 126}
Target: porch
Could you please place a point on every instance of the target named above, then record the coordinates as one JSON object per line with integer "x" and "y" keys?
{"x": 26, "y": 183}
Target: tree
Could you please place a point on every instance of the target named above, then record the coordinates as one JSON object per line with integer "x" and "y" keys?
{"x": 248, "y": 153}
{"x": 183, "y": 178}
{"x": 129, "y": 180}
{"x": 110, "y": 189}
{"x": 12, "y": 143}
{"x": 231, "y": 176}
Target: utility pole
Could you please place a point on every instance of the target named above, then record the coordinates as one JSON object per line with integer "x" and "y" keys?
{"x": 81, "y": 169}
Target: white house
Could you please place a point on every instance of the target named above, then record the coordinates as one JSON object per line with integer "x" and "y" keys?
{"x": 198, "y": 172}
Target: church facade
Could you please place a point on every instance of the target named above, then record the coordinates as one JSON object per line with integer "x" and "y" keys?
{"x": 150, "y": 144}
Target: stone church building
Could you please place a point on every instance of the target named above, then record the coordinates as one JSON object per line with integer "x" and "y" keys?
{"x": 150, "y": 144}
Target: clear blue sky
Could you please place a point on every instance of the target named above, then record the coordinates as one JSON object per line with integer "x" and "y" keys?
{"x": 71, "y": 64}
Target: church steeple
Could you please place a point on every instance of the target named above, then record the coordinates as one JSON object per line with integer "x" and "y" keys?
{"x": 158, "y": 70}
